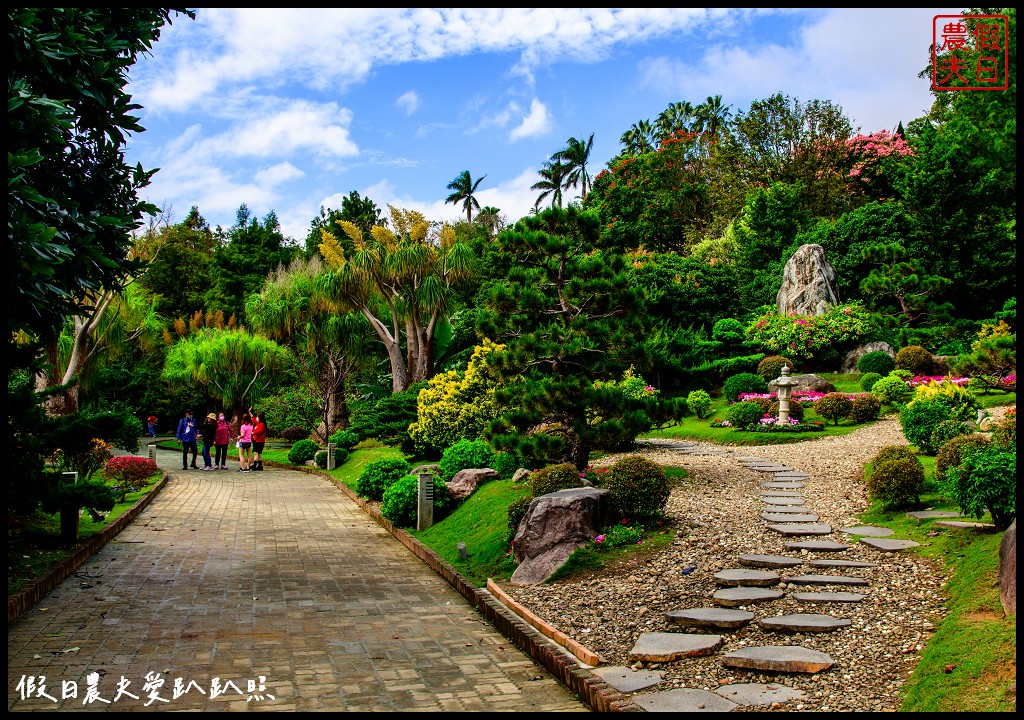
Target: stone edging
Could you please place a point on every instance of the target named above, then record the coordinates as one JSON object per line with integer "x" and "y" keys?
{"x": 590, "y": 688}
{"x": 23, "y": 600}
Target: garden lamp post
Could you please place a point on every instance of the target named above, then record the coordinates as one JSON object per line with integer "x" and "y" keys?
{"x": 784, "y": 384}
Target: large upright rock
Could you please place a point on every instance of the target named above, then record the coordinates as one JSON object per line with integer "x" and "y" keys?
{"x": 808, "y": 283}
{"x": 556, "y": 525}
{"x": 1008, "y": 570}
{"x": 853, "y": 357}
{"x": 807, "y": 382}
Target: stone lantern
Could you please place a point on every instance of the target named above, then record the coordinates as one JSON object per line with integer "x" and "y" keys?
{"x": 785, "y": 386}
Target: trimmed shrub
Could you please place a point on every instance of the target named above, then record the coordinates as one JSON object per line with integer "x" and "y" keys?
{"x": 129, "y": 473}
{"x": 771, "y": 367}
{"x": 463, "y": 455}
{"x": 919, "y": 420}
{"x": 897, "y": 483}
{"x": 946, "y": 431}
{"x": 796, "y": 410}
{"x": 637, "y": 489}
{"x": 699, "y": 403}
{"x": 892, "y": 452}
{"x": 340, "y": 456}
{"x": 302, "y": 451}
{"x": 344, "y": 439}
{"x": 986, "y": 479}
{"x": 868, "y": 380}
{"x": 952, "y": 451}
{"x": 960, "y": 401}
{"x": 744, "y": 414}
{"x": 864, "y": 408}
{"x": 743, "y": 383}
{"x": 904, "y": 375}
{"x": 516, "y": 512}
{"x": 554, "y": 478}
{"x": 401, "y": 499}
{"x": 915, "y": 359}
{"x": 834, "y": 406}
{"x": 295, "y": 433}
{"x": 728, "y": 331}
{"x": 379, "y": 476}
{"x": 876, "y": 362}
{"x": 505, "y": 464}
{"x": 891, "y": 390}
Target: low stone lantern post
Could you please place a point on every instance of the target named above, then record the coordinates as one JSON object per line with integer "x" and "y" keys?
{"x": 785, "y": 385}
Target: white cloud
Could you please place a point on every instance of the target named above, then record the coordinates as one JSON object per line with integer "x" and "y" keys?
{"x": 536, "y": 122}
{"x": 277, "y": 174}
{"x": 409, "y": 102}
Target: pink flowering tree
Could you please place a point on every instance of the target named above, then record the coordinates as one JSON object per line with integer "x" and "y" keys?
{"x": 873, "y": 159}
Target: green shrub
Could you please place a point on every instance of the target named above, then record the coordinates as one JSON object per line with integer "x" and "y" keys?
{"x": 728, "y": 331}
{"x": 516, "y": 512}
{"x": 868, "y": 380}
{"x": 864, "y": 408}
{"x": 796, "y": 410}
{"x": 388, "y": 418}
{"x": 463, "y": 455}
{"x": 891, "y": 390}
{"x": 771, "y": 367}
{"x": 699, "y": 403}
{"x": 620, "y": 535}
{"x": 294, "y": 433}
{"x": 959, "y": 400}
{"x": 744, "y": 414}
{"x": 1005, "y": 433}
{"x": 379, "y": 476}
{"x": 915, "y": 359}
{"x": 902, "y": 374}
{"x": 876, "y": 362}
{"x": 401, "y": 500}
{"x": 505, "y": 464}
{"x": 340, "y": 456}
{"x": 986, "y": 479}
{"x": 554, "y": 478}
{"x": 743, "y": 383}
{"x": 96, "y": 497}
{"x": 919, "y": 420}
{"x": 302, "y": 451}
{"x": 834, "y": 406}
{"x": 344, "y": 439}
{"x": 897, "y": 483}
{"x": 638, "y": 489}
{"x": 952, "y": 451}
{"x": 765, "y": 403}
{"x": 892, "y": 452}
{"x": 946, "y": 431}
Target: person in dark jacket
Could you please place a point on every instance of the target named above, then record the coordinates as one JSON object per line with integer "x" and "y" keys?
{"x": 209, "y": 435}
{"x": 186, "y": 437}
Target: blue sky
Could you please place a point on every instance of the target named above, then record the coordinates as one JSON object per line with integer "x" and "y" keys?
{"x": 291, "y": 109}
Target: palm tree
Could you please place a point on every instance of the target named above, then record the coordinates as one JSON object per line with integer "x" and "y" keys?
{"x": 675, "y": 118}
{"x": 574, "y": 156}
{"x": 552, "y": 181}
{"x": 639, "y": 139}
{"x": 712, "y": 114}
{"x": 464, "y": 187}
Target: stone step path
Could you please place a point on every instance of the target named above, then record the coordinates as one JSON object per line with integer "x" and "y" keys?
{"x": 713, "y": 618}
{"x": 737, "y": 596}
{"x": 867, "y": 531}
{"x": 829, "y": 562}
{"x": 770, "y": 561}
{"x": 776, "y": 517}
{"x": 781, "y": 500}
{"x": 888, "y": 544}
{"x": 963, "y": 525}
{"x": 805, "y": 623}
{"x": 779, "y": 658}
{"x": 929, "y": 514}
{"x": 791, "y": 475}
{"x": 663, "y": 647}
{"x": 780, "y": 493}
{"x": 801, "y": 529}
{"x": 742, "y": 577}
{"x": 826, "y": 580}
{"x": 827, "y": 597}
{"x": 782, "y": 484}
{"x": 792, "y": 509}
{"x": 818, "y": 546}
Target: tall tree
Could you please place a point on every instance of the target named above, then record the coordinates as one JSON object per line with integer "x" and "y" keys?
{"x": 575, "y": 156}
{"x": 678, "y": 117}
{"x": 463, "y": 189}
{"x": 639, "y": 139}
{"x": 713, "y": 115}
{"x": 552, "y": 182}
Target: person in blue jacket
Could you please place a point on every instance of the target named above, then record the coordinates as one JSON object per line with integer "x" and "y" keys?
{"x": 186, "y": 436}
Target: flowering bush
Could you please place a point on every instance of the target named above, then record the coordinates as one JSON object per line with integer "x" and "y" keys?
{"x": 771, "y": 367}
{"x": 771, "y": 425}
{"x": 804, "y": 337}
{"x": 719, "y": 423}
{"x": 834, "y": 406}
{"x": 632, "y": 386}
{"x": 595, "y": 475}
{"x": 873, "y": 159}
{"x": 86, "y": 462}
{"x": 129, "y": 473}
{"x": 960, "y": 401}
{"x": 925, "y": 379}
{"x": 620, "y": 536}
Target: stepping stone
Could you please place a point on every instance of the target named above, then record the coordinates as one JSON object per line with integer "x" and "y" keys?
{"x": 780, "y": 493}
{"x": 759, "y": 693}
{"x": 827, "y": 597}
{"x": 792, "y": 509}
{"x": 769, "y": 468}
{"x": 960, "y": 525}
{"x": 710, "y": 618}
{"x": 826, "y": 580}
{"x": 747, "y": 578}
{"x": 788, "y": 518}
{"x": 817, "y": 546}
{"x": 779, "y": 658}
{"x": 867, "y": 531}
{"x": 929, "y": 514}
{"x": 888, "y": 544}
{"x": 666, "y": 647}
{"x": 791, "y": 475}
{"x": 772, "y": 561}
{"x": 737, "y": 596}
{"x": 842, "y": 563}
{"x": 684, "y": 700}
{"x": 627, "y": 680}
{"x": 802, "y": 529}
{"x": 782, "y": 485}
{"x": 745, "y": 459}
{"x": 779, "y": 500}
{"x": 709, "y": 452}
{"x": 805, "y": 622}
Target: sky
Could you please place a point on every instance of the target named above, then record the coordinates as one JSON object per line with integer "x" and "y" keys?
{"x": 290, "y": 110}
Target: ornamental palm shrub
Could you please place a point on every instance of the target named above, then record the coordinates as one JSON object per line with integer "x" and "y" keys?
{"x": 744, "y": 414}
{"x": 953, "y": 450}
{"x": 868, "y": 380}
{"x": 834, "y": 406}
{"x": 302, "y": 451}
{"x": 699, "y": 403}
{"x": 914, "y": 358}
{"x": 864, "y": 408}
{"x": 919, "y": 420}
{"x": 771, "y": 367}
{"x": 638, "y": 489}
{"x": 897, "y": 483}
{"x": 986, "y": 479}
{"x": 401, "y": 500}
{"x": 743, "y": 383}
{"x": 463, "y": 455}
{"x": 876, "y": 362}
{"x": 379, "y": 476}
{"x": 891, "y": 390}
{"x": 554, "y": 478}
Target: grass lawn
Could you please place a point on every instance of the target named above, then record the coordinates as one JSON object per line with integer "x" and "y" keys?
{"x": 365, "y": 452}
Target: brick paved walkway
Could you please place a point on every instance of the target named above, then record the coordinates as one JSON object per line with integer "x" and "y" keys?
{"x": 277, "y": 574}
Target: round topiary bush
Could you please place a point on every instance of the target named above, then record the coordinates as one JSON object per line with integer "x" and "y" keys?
{"x": 699, "y": 403}
{"x": 771, "y": 367}
{"x": 295, "y": 433}
{"x": 744, "y": 414}
{"x": 463, "y": 455}
{"x": 834, "y": 406}
{"x": 876, "y": 362}
{"x": 892, "y": 452}
{"x": 637, "y": 489}
{"x": 865, "y": 408}
{"x": 915, "y": 359}
{"x": 554, "y": 478}
{"x": 516, "y": 512}
{"x": 952, "y": 451}
{"x": 868, "y": 380}
{"x": 891, "y": 390}
{"x": 302, "y": 451}
{"x": 401, "y": 500}
{"x": 743, "y": 383}
{"x": 344, "y": 439}
{"x": 796, "y": 410}
{"x": 379, "y": 476}
{"x": 340, "y": 456}
{"x": 946, "y": 431}
{"x": 897, "y": 483}
{"x": 728, "y": 331}
{"x": 985, "y": 479}
{"x": 919, "y": 420}
{"x": 505, "y": 464}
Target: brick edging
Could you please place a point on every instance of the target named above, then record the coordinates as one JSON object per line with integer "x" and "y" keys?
{"x": 590, "y": 688}
{"x": 19, "y": 603}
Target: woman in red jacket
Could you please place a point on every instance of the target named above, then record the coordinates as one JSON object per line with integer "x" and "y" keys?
{"x": 259, "y": 439}
{"x": 221, "y": 444}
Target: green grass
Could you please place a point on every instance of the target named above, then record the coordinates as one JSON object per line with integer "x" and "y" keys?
{"x": 996, "y": 398}
{"x": 349, "y": 472}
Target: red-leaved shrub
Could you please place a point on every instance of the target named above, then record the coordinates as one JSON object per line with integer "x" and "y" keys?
{"x": 129, "y": 473}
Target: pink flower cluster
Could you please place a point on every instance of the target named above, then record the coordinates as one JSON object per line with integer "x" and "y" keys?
{"x": 798, "y": 396}
{"x": 925, "y": 379}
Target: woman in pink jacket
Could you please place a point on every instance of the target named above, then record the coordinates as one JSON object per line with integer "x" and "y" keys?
{"x": 245, "y": 444}
{"x": 221, "y": 443}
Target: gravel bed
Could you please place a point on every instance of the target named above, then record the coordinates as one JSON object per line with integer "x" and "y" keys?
{"x": 716, "y": 512}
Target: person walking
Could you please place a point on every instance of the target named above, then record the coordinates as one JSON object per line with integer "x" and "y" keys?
{"x": 209, "y": 435}
{"x": 220, "y": 444}
{"x": 245, "y": 444}
{"x": 259, "y": 439}
{"x": 186, "y": 436}
{"x": 151, "y": 426}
